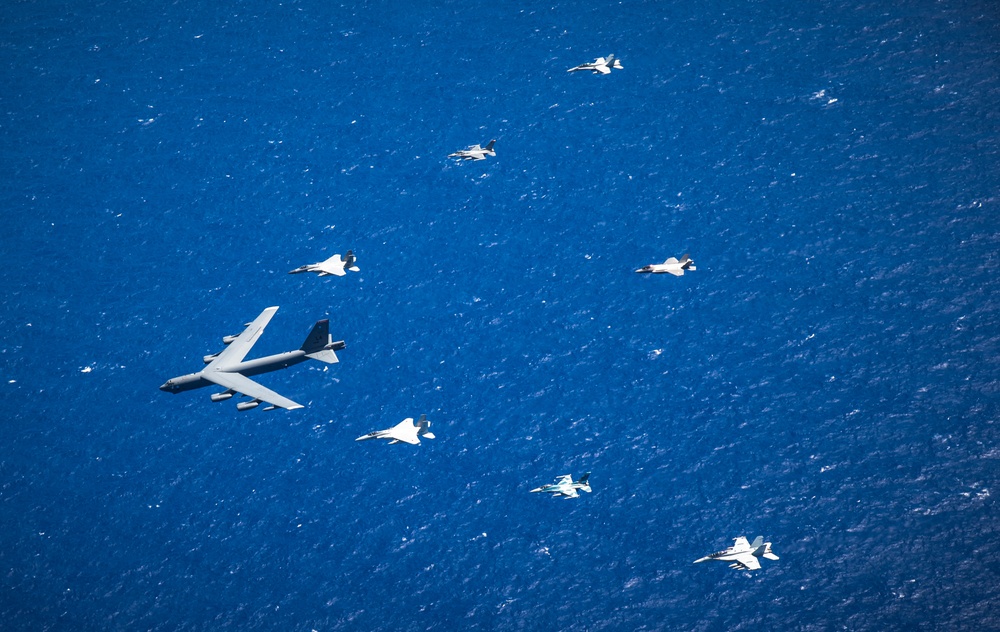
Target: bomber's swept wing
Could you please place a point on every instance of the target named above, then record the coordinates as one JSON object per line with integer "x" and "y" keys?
{"x": 239, "y": 348}
{"x": 233, "y": 354}
{"x": 242, "y": 384}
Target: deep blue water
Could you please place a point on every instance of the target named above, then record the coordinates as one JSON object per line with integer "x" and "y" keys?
{"x": 827, "y": 378}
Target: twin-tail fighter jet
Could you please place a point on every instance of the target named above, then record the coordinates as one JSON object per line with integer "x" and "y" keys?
{"x": 332, "y": 266}
{"x": 475, "y": 152}
{"x": 403, "y": 432}
{"x": 671, "y": 265}
{"x": 565, "y": 486}
{"x": 743, "y": 555}
{"x": 600, "y": 66}
{"x": 228, "y": 370}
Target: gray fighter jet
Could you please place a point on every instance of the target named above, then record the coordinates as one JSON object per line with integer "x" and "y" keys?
{"x": 475, "y": 152}
{"x": 403, "y": 432}
{"x": 228, "y": 370}
{"x": 671, "y": 265}
{"x": 332, "y": 266}
{"x": 743, "y": 555}
{"x": 599, "y": 66}
{"x": 565, "y": 486}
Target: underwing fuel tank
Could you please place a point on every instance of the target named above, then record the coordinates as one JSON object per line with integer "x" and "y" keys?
{"x": 254, "y": 403}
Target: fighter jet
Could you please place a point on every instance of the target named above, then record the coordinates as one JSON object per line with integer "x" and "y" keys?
{"x": 475, "y": 152}
{"x": 334, "y": 265}
{"x": 228, "y": 370}
{"x": 403, "y": 432}
{"x": 600, "y": 66}
{"x": 671, "y": 265}
{"x": 564, "y": 485}
{"x": 743, "y": 555}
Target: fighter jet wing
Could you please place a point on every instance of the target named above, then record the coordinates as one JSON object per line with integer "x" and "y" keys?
{"x": 404, "y": 431}
{"x": 748, "y": 562}
{"x": 239, "y": 348}
{"x": 604, "y": 70}
{"x": 676, "y": 272}
{"x": 570, "y": 493}
{"x": 333, "y": 265}
{"x": 246, "y": 386}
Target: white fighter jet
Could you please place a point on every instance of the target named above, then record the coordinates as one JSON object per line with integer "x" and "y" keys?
{"x": 475, "y": 152}
{"x": 564, "y": 485}
{"x": 743, "y": 555}
{"x": 332, "y": 266}
{"x": 671, "y": 265}
{"x": 600, "y": 66}
{"x": 403, "y": 432}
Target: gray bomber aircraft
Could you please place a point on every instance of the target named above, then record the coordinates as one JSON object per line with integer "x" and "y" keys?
{"x": 228, "y": 370}
{"x": 743, "y": 555}
{"x": 475, "y": 152}
{"x": 564, "y": 485}
{"x": 403, "y": 432}
{"x": 671, "y": 265}
{"x": 599, "y": 66}
{"x": 332, "y": 266}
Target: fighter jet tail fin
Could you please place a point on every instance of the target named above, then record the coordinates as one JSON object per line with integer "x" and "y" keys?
{"x": 489, "y": 145}
{"x": 423, "y": 427}
{"x": 757, "y": 543}
{"x": 319, "y": 345}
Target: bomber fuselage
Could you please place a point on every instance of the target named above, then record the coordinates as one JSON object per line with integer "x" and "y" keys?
{"x": 249, "y": 368}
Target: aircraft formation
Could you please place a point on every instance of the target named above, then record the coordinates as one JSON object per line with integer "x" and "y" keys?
{"x": 229, "y": 370}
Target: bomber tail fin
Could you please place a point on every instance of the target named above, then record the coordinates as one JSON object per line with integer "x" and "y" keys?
{"x": 320, "y": 346}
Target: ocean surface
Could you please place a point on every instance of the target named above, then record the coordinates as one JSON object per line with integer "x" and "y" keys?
{"x": 828, "y": 378}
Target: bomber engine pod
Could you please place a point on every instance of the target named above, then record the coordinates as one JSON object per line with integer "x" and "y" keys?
{"x": 220, "y": 397}
{"x": 253, "y": 403}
